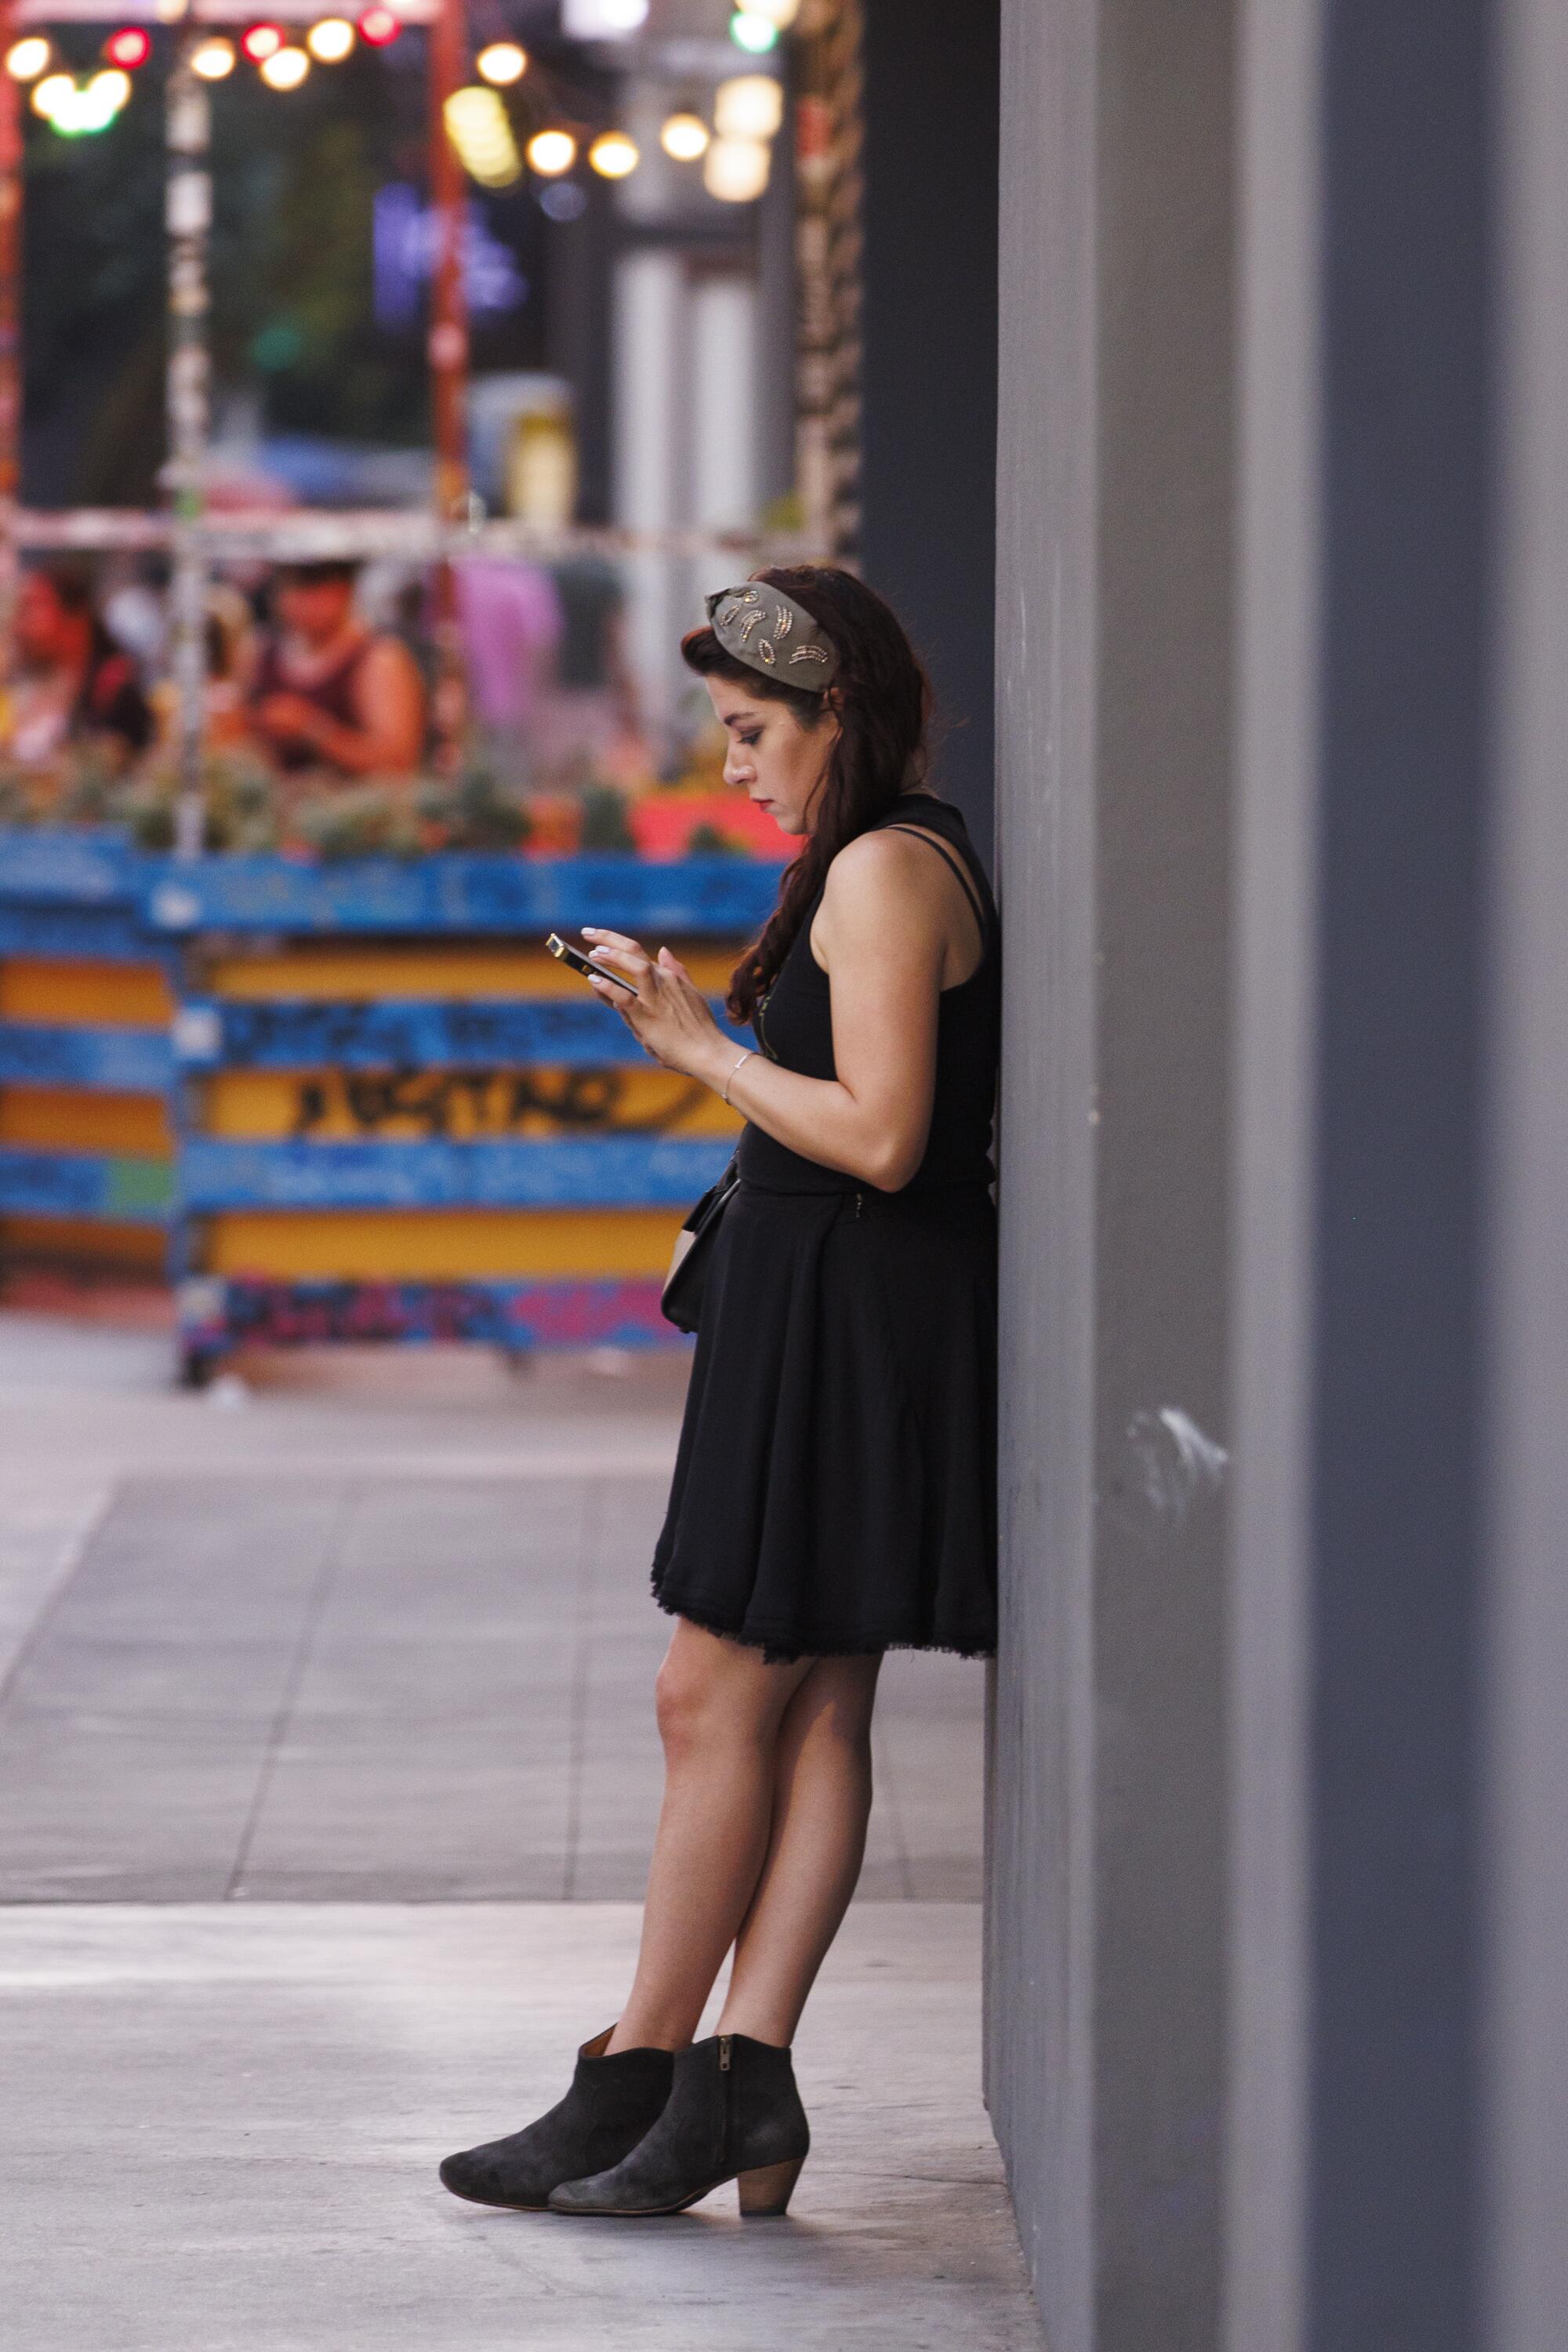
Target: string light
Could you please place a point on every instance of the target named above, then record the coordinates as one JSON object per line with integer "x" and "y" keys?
{"x": 749, "y": 106}
{"x": 55, "y": 89}
{"x": 753, "y": 33}
{"x": 74, "y": 111}
{"x": 502, "y": 63}
{"x": 378, "y": 27}
{"x": 478, "y": 128}
{"x": 330, "y": 39}
{"x": 736, "y": 171}
{"x": 780, "y": 14}
{"x": 260, "y": 42}
{"x": 551, "y": 152}
{"x": 286, "y": 68}
{"x": 685, "y": 137}
{"x": 614, "y": 156}
{"x": 26, "y": 58}
{"x": 214, "y": 60}
{"x": 128, "y": 49}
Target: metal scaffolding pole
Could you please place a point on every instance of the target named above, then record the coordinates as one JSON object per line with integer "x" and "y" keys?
{"x": 448, "y": 352}
{"x": 11, "y": 103}
{"x": 188, "y": 217}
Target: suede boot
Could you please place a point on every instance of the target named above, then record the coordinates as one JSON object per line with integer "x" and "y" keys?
{"x": 607, "y": 2112}
{"x": 734, "y": 2113}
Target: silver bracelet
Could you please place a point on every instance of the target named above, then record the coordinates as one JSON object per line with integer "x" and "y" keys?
{"x": 735, "y": 1074}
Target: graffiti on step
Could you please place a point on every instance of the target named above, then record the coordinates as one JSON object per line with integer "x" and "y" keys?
{"x": 487, "y": 1102}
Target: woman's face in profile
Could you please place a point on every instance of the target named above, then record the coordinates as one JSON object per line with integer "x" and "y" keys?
{"x": 776, "y": 761}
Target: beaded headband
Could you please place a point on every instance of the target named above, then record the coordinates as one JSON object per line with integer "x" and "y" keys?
{"x": 770, "y": 632}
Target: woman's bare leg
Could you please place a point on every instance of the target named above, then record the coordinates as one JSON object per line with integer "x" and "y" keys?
{"x": 821, "y": 1806}
{"x": 719, "y": 1709}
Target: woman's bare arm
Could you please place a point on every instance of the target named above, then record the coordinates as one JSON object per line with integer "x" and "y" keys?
{"x": 882, "y": 933}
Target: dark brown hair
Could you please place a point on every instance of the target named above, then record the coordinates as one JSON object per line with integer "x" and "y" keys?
{"x": 881, "y": 698}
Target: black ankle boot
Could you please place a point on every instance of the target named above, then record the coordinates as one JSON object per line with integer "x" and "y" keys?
{"x": 607, "y": 2112}
{"x": 734, "y": 2113}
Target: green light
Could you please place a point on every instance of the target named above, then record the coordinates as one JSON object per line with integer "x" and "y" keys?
{"x": 753, "y": 33}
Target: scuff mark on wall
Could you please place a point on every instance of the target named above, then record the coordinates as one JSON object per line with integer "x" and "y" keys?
{"x": 1177, "y": 1461}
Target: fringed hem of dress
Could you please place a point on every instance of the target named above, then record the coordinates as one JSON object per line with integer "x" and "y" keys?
{"x": 789, "y": 1651}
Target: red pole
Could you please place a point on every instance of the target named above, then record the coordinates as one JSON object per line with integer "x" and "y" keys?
{"x": 10, "y": 333}
{"x": 448, "y": 352}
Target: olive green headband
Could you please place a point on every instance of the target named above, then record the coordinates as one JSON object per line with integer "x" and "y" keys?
{"x": 770, "y": 632}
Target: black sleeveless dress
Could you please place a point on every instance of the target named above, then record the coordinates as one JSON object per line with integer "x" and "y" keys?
{"x": 834, "y": 1488}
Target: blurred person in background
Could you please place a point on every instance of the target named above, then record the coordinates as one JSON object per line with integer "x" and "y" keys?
{"x": 74, "y": 686}
{"x": 329, "y": 692}
{"x": 589, "y": 715}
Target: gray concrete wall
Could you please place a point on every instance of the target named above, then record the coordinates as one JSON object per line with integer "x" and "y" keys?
{"x": 1277, "y": 2035}
{"x": 1114, "y": 653}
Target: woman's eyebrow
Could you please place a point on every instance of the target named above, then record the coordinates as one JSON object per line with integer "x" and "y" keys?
{"x": 739, "y": 717}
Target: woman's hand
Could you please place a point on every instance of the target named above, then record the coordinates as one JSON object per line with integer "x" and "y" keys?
{"x": 669, "y": 1016}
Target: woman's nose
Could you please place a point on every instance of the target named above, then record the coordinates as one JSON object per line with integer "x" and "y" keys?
{"x": 737, "y": 767}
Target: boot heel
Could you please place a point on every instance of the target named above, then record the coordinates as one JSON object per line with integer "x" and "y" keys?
{"x": 768, "y": 2189}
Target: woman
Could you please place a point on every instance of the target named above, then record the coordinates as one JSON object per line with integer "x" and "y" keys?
{"x": 833, "y": 1495}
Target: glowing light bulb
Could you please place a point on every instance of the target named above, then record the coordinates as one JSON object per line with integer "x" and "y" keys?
{"x": 260, "y": 42}
{"x": 478, "y": 128}
{"x": 685, "y": 137}
{"x": 26, "y": 59}
{"x": 614, "y": 156}
{"x": 753, "y": 33}
{"x": 378, "y": 27}
{"x": 780, "y": 14}
{"x": 736, "y": 170}
{"x": 129, "y": 48}
{"x": 330, "y": 39}
{"x": 214, "y": 60}
{"x": 749, "y": 106}
{"x": 551, "y": 152}
{"x": 502, "y": 63}
{"x": 54, "y": 90}
{"x": 109, "y": 90}
{"x": 286, "y": 68}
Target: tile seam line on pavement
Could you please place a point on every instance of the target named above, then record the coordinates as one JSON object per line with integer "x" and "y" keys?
{"x": 418, "y": 1468}
{"x": 347, "y": 1509}
{"x": 75, "y": 1552}
{"x": 588, "y": 1530}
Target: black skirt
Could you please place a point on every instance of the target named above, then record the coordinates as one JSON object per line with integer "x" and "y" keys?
{"x": 834, "y": 1492}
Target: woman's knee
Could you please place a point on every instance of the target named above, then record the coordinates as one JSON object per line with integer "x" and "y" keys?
{"x": 710, "y": 1693}
{"x": 680, "y": 1701}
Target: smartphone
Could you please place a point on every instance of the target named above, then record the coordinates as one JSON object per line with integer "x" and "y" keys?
{"x": 575, "y": 960}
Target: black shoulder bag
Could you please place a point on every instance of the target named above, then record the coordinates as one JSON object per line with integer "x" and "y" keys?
{"x": 682, "y": 1299}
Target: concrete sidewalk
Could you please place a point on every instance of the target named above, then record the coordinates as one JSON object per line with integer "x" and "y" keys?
{"x": 326, "y": 1776}
{"x": 221, "y": 2126}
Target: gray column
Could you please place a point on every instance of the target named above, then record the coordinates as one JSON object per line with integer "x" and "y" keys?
{"x": 1525, "y": 1768}
{"x": 1106, "y": 2018}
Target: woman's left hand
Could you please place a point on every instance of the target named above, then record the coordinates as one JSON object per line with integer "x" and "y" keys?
{"x": 669, "y": 1016}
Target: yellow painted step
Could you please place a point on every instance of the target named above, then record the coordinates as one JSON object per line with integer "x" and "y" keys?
{"x": 439, "y": 1245}
{"x": 85, "y": 995}
{"x": 361, "y": 974}
{"x": 56, "y": 1119}
{"x": 339, "y": 1106}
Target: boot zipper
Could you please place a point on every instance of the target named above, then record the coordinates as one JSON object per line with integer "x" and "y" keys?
{"x": 725, "y": 2093}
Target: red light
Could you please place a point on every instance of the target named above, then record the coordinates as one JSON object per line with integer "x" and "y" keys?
{"x": 379, "y": 26}
{"x": 129, "y": 48}
{"x": 262, "y": 41}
